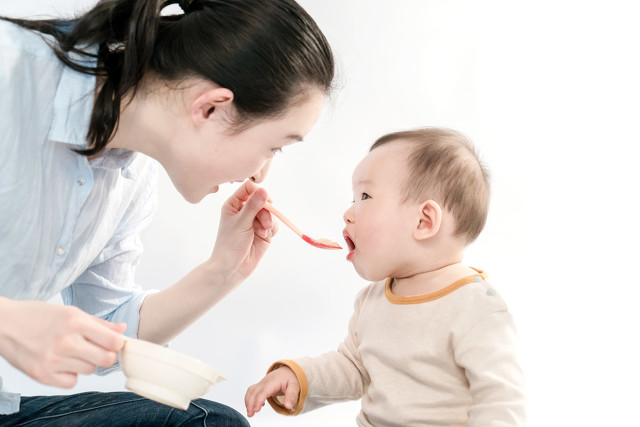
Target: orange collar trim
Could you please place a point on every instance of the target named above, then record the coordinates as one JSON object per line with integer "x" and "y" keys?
{"x": 417, "y": 299}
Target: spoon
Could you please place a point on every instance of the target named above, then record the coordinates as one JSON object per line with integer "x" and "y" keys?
{"x": 318, "y": 243}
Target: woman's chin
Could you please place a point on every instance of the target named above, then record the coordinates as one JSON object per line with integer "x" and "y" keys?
{"x": 195, "y": 198}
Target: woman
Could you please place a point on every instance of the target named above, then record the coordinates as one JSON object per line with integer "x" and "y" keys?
{"x": 89, "y": 107}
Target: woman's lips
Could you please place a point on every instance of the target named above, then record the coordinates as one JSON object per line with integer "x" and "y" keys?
{"x": 350, "y": 244}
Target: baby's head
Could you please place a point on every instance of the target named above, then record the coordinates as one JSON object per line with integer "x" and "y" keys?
{"x": 420, "y": 197}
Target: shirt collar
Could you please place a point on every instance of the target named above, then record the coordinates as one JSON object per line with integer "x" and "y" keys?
{"x": 72, "y": 107}
{"x": 73, "y": 104}
{"x": 116, "y": 158}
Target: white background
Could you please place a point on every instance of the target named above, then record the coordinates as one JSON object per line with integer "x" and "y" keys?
{"x": 550, "y": 93}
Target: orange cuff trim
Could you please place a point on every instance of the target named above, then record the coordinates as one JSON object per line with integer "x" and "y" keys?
{"x": 417, "y": 299}
{"x": 304, "y": 388}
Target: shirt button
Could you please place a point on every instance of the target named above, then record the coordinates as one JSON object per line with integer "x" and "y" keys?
{"x": 491, "y": 292}
{"x": 60, "y": 250}
{"x": 81, "y": 180}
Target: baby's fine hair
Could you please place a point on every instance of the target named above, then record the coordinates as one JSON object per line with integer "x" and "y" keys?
{"x": 444, "y": 166}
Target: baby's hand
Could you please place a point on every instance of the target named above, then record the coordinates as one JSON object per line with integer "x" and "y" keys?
{"x": 279, "y": 382}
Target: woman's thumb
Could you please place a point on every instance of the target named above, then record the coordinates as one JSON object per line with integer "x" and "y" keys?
{"x": 252, "y": 206}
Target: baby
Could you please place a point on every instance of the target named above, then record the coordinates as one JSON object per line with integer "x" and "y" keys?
{"x": 430, "y": 341}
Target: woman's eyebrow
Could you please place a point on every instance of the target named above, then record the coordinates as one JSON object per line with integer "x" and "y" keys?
{"x": 295, "y": 137}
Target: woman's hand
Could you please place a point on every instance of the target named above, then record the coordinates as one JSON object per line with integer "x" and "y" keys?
{"x": 53, "y": 343}
{"x": 244, "y": 236}
{"x": 245, "y": 233}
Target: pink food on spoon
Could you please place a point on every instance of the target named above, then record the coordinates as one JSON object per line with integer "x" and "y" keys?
{"x": 318, "y": 243}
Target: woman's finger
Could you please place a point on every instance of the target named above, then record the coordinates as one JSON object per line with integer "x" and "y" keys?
{"x": 76, "y": 366}
{"x": 240, "y": 196}
{"x": 119, "y": 327}
{"x": 101, "y": 333}
{"x": 62, "y": 380}
{"x": 95, "y": 355}
{"x": 265, "y": 219}
{"x": 251, "y": 208}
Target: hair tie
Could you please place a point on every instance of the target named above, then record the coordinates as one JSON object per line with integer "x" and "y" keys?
{"x": 185, "y": 5}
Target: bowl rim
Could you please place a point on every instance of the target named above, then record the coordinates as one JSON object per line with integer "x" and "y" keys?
{"x": 173, "y": 357}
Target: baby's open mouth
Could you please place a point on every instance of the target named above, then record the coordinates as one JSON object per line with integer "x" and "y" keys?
{"x": 350, "y": 243}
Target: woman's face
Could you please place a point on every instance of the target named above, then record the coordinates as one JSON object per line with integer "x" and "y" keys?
{"x": 211, "y": 154}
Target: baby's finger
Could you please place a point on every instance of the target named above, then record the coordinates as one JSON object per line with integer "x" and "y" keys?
{"x": 291, "y": 396}
{"x": 251, "y": 402}
{"x": 254, "y": 408}
{"x": 262, "y": 391}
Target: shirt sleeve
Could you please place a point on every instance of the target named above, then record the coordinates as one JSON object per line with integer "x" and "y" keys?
{"x": 107, "y": 289}
{"x": 489, "y": 356}
{"x": 336, "y": 376}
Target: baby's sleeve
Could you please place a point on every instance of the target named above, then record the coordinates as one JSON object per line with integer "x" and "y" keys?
{"x": 332, "y": 377}
{"x": 489, "y": 355}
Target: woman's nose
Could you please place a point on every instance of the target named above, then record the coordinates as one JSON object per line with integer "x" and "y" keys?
{"x": 262, "y": 174}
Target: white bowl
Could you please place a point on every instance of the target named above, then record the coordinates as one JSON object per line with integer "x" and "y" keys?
{"x": 164, "y": 375}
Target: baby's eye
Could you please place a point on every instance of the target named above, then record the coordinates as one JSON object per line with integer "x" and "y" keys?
{"x": 365, "y": 196}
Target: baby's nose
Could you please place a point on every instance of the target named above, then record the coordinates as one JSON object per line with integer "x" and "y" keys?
{"x": 348, "y": 215}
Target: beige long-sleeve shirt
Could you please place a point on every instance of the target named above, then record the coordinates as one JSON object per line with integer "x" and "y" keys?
{"x": 447, "y": 358}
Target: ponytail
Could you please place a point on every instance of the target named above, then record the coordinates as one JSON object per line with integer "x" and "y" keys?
{"x": 267, "y": 52}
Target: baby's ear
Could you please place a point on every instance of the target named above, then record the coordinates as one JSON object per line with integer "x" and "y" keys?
{"x": 429, "y": 220}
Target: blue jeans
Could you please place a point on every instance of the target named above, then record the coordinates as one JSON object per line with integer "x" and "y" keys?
{"x": 118, "y": 409}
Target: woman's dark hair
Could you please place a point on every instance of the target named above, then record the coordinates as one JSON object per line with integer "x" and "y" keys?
{"x": 267, "y": 52}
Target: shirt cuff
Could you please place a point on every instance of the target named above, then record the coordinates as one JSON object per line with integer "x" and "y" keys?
{"x": 9, "y": 403}
{"x": 304, "y": 388}
{"x": 128, "y": 313}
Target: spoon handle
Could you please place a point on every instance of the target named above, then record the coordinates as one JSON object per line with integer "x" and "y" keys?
{"x": 281, "y": 217}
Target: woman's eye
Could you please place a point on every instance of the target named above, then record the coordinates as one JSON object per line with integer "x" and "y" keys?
{"x": 276, "y": 150}
{"x": 365, "y": 196}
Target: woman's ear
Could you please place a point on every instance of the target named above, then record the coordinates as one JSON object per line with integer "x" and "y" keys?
{"x": 207, "y": 102}
{"x": 429, "y": 221}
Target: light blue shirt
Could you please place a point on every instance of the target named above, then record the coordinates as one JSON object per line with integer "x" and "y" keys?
{"x": 67, "y": 225}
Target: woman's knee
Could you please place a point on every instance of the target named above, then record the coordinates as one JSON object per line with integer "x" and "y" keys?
{"x": 208, "y": 413}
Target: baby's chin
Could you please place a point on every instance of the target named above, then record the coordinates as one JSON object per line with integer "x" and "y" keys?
{"x": 369, "y": 276}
